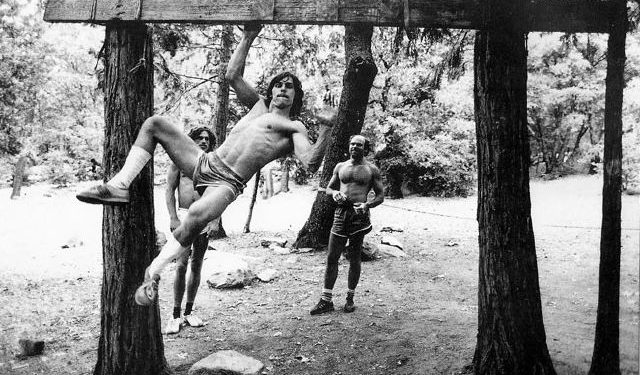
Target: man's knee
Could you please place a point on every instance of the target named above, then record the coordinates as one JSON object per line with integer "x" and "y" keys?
{"x": 154, "y": 123}
{"x": 196, "y": 266}
{"x": 333, "y": 257}
{"x": 181, "y": 263}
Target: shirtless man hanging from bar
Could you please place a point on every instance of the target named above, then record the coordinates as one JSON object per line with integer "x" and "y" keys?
{"x": 268, "y": 132}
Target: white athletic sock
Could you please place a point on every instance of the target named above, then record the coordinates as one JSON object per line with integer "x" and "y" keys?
{"x": 327, "y": 294}
{"x": 170, "y": 251}
{"x": 136, "y": 160}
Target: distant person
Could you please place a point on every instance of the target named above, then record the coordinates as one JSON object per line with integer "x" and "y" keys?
{"x": 183, "y": 184}
{"x": 328, "y": 98}
{"x": 349, "y": 186}
{"x": 269, "y": 131}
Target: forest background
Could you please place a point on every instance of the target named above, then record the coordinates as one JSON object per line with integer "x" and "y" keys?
{"x": 420, "y": 114}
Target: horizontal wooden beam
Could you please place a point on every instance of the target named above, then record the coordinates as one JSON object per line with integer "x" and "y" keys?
{"x": 543, "y": 15}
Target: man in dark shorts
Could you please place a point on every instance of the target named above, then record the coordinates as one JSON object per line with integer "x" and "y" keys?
{"x": 349, "y": 186}
{"x": 269, "y": 131}
{"x": 178, "y": 209}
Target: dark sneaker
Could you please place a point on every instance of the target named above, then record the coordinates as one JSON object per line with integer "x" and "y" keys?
{"x": 147, "y": 293}
{"x": 322, "y": 307}
{"x": 104, "y": 194}
{"x": 349, "y": 306}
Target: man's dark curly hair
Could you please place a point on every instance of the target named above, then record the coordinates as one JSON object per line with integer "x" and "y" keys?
{"x": 296, "y": 107}
{"x": 193, "y": 133}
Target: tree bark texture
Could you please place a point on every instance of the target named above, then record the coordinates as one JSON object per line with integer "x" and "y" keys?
{"x": 511, "y": 337}
{"x": 130, "y": 338}
{"x": 356, "y": 85}
{"x": 606, "y": 351}
{"x": 222, "y": 101}
{"x": 19, "y": 175}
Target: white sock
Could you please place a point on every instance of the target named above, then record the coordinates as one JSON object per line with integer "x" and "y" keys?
{"x": 136, "y": 160}
{"x": 170, "y": 251}
{"x": 327, "y": 294}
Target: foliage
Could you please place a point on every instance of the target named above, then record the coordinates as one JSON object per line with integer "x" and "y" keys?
{"x": 428, "y": 141}
{"x": 565, "y": 96}
{"x": 22, "y": 64}
{"x": 631, "y": 136}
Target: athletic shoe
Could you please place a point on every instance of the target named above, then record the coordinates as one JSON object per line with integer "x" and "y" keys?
{"x": 173, "y": 326}
{"x": 147, "y": 293}
{"x": 193, "y": 320}
{"x": 349, "y": 307}
{"x": 322, "y": 307}
{"x": 104, "y": 194}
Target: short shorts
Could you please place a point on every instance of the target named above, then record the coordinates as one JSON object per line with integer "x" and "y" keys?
{"x": 212, "y": 171}
{"x": 346, "y": 222}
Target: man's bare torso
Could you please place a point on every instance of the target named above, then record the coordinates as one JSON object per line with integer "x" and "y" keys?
{"x": 257, "y": 139}
{"x": 355, "y": 180}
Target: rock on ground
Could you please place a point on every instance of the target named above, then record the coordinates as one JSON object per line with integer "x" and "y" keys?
{"x": 227, "y": 362}
{"x": 227, "y": 270}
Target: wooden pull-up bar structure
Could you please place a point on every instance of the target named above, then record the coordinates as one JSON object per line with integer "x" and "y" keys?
{"x": 542, "y": 15}
{"x": 130, "y": 341}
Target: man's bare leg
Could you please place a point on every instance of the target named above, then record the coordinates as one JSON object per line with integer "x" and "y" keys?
{"x": 193, "y": 283}
{"x": 355, "y": 262}
{"x": 336, "y": 246}
{"x": 210, "y": 206}
{"x": 180, "y": 148}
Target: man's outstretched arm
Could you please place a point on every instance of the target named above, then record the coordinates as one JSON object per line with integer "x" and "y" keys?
{"x": 244, "y": 91}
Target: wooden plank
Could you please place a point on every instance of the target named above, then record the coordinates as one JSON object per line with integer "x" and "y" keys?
{"x": 544, "y": 15}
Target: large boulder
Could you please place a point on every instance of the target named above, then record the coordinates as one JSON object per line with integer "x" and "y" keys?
{"x": 369, "y": 251}
{"x": 227, "y": 362}
{"x": 227, "y": 270}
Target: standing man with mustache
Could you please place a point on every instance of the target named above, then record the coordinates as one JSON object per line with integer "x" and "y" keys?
{"x": 269, "y": 131}
{"x": 178, "y": 181}
{"x": 349, "y": 186}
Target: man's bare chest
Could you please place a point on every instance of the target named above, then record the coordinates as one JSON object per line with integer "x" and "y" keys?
{"x": 356, "y": 174}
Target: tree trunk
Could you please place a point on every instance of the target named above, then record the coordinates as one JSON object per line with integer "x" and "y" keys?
{"x": 267, "y": 188}
{"x": 222, "y": 106}
{"x": 606, "y": 355}
{"x": 19, "y": 175}
{"x": 130, "y": 338}
{"x": 284, "y": 179}
{"x": 247, "y": 225}
{"x": 356, "y": 85}
{"x": 511, "y": 338}
{"x": 222, "y": 102}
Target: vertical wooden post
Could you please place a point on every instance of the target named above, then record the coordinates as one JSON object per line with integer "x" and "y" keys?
{"x": 606, "y": 351}
{"x": 511, "y": 337}
{"x": 130, "y": 337}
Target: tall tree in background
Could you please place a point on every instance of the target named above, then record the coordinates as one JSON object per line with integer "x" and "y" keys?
{"x": 511, "y": 337}
{"x": 358, "y": 78}
{"x": 130, "y": 338}
{"x": 222, "y": 102}
{"x": 606, "y": 351}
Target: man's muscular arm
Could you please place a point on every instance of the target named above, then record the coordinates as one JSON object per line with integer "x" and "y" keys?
{"x": 310, "y": 155}
{"x": 244, "y": 91}
{"x": 333, "y": 187}
{"x": 173, "y": 180}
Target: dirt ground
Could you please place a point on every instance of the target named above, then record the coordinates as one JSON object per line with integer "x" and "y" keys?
{"x": 415, "y": 315}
